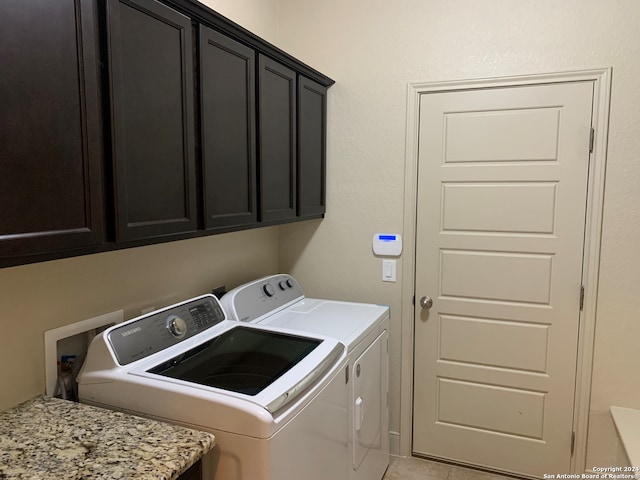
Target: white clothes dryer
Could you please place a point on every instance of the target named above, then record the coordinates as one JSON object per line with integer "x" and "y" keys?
{"x": 278, "y": 301}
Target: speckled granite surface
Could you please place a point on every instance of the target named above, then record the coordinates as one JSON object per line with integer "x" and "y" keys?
{"x": 51, "y": 439}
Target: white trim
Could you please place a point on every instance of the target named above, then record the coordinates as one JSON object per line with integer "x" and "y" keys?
{"x": 52, "y": 338}
{"x": 591, "y": 261}
{"x": 394, "y": 443}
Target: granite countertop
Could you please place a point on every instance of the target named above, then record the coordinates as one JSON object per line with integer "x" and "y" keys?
{"x": 51, "y": 439}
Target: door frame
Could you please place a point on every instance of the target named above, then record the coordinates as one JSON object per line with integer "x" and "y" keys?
{"x": 591, "y": 258}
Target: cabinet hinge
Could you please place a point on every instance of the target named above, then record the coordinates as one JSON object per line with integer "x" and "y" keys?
{"x": 592, "y": 136}
{"x": 573, "y": 442}
{"x": 581, "y": 296}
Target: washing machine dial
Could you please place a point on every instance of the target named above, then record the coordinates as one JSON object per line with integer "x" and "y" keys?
{"x": 176, "y": 326}
{"x": 268, "y": 290}
{"x": 283, "y": 285}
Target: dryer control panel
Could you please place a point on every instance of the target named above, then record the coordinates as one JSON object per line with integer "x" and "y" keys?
{"x": 155, "y": 331}
{"x": 265, "y": 296}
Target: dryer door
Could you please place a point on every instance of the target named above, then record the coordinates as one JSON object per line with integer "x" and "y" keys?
{"x": 370, "y": 410}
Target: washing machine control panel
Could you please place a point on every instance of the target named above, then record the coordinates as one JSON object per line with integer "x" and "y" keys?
{"x": 155, "y": 331}
{"x": 264, "y": 296}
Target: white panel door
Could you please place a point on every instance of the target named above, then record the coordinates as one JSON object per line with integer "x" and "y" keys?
{"x": 502, "y": 189}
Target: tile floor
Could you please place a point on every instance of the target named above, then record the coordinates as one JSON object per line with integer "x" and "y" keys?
{"x": 401, "y": 468}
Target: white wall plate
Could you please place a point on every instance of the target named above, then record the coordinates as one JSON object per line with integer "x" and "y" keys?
{"x": 53, "y": 348}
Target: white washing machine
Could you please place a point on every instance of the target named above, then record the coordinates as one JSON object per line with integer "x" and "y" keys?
{"x": 278, "y": 301}
{"x": 274, "y": 398}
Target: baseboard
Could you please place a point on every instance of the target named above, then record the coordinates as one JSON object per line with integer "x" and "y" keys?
{"x": 394, "y": 443}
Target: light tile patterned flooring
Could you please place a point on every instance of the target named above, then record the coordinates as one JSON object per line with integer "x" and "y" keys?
{"x": 401, "y": 468}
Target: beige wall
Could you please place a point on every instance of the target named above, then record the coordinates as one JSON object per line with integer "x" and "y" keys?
{"x": 373, "y": 50}
{"x": 257, "y": 16}
{"x": 39, "y": 297}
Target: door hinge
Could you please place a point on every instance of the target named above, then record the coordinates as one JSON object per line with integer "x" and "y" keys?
{"x": 573, "y": 442}
{"x": 592, "y": 135}
{"x": 581, "y": 296}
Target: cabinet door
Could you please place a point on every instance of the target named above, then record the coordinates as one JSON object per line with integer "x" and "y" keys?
{"x": 193, "y": 473}
{"x": 151, "y": 80}
{"x": 227, "y": 83}
{"x": 277, "y": 140}
{"x": 312, "y": 139}
{"x": 50, "y": 131}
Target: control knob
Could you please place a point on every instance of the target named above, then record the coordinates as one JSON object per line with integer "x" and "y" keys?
{"x": 268, "y": 290}
{"x": 176, "y": 326}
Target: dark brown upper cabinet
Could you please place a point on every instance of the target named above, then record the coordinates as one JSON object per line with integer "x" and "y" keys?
{"x": 227, "y": 131}
{"x": 312, "y": 140}
{"x": 152, "y": 120}
{"x": 51, "y": 152}
{"x": 276, "y": 140}
{"x": 131, "y": 122}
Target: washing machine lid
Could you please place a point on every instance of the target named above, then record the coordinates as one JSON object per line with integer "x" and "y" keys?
{"x": 241, "y": 360}
{"x": 191, "y": 347}
{"x": 271, "y": 368}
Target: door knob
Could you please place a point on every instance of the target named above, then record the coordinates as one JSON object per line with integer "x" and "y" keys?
{"x": 426, "y": 302}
